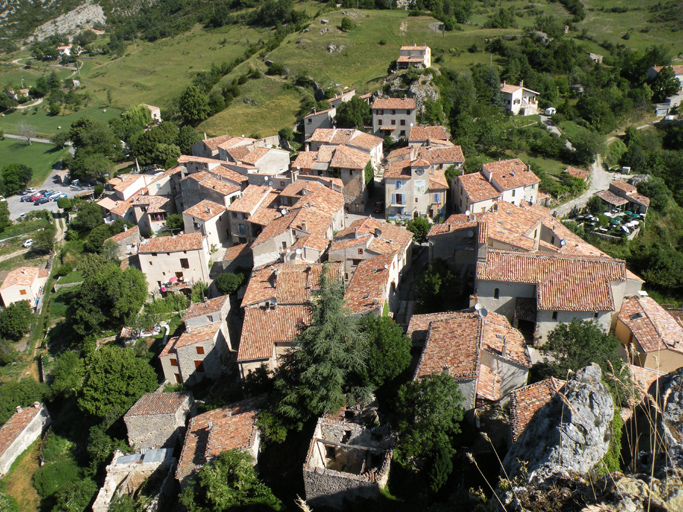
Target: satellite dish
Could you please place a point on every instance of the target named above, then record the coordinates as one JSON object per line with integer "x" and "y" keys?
{"x": 483, "y": 313}
{"x": 467, "y": 212}
{"x": 477, "y": 306}
{"x": 299, "y": 251}
{"x": 562, "y": 242}
{"x": 470, "y": 234}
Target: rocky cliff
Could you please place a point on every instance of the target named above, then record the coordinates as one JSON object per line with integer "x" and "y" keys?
{"x": 567, "y": 436}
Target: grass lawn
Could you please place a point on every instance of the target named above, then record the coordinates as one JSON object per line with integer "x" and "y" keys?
{"x": 73, "y": 277}
{"x": 571, "y": 129}
{"x": 554, "y": 167}
{"x": 12, "y": 75}
{"x": 46, "y": 125}
{"x": 40, "y": 157}
{"x": 60, "y": 302}
{"x": 19, "y": 480}
{"x": 25, "y": 260}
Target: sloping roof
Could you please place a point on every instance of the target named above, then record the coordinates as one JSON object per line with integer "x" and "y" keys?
{"x": 205, "y": 210}
{"x": 510, "y": 174}
{"x": 512, "y": 225}
{"x": 394, "y": 103}
{"x": 441, "y": 155}
{"x": 424, "y": 133}
{"x": 219, "y": 186}
{"x": 123, "y": 181}
{"x": 183, "y": 159}
{"x": 400, "y": 169}
{"x": 151, "y": 404}
{"x": 197, "y": 335}
{"x": 527, "y": 401}
{"x": 287, "y": 283}
{"x": 254, "y": 156}
{"x": 510, "y": 89}
{"x": 123, "y": 235}
{"x": 611, "y": 198}
{"x": 678, "y": 70}
{"x": 210, "y": 434}
{"x": 563, "y": 283}
{"x": 236, "y": 251}
{"x": 477, "y": 187}
{"x": 262, "y": 328}
{"x": 207, "y": 307}
{"x": 191, "y": 242}
{"x": 578, "y": 173}
{"x": 349, "y": 158}
{"x": 398, "y": 236}
{"x": 437, "y": 180}
{"x": 630, "y": 191}
{"x": 214, "y": 142}
{"x": 22, "y": 276}
{"x": 652, "y": 326}
{"x": 15, "y": 426}
{"x": 369, "y": 284}
{"x": 455, "y": 222}
{"x": 252, "y": 196}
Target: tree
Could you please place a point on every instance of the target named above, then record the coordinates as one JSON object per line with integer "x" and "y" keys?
{"x": 88, "y": 217}
{"x": 23, "y": 392}
{"x": 664, "y": 84}
{"x": 428, "y": 415}
{"x": 175, "y": 222}
{"x": 76, "y": 496}
{"x": 199, "y": 291}
{"x": 97, "y": 237}
{"x": 437, "y": 290}
{"x": 90, "y": 137}
{"x": 116, "y": 378}
{"x": 229, "y": 482}
{"x": 229, "y": 283}
{"x": 16, "y": 319}
{"x": 90, "y": 166}
{"x": 68, "y": 374}
{"x": 347, "y": 24}
{"x": 146, "y": 145}
{"x": 64, "y": 203}
{"x": 587, "y": 145}
{"x": 60, "y": 139}
{"x": 194, "y": 106}
{"x": 27, "y": 131}
{"x": 327, "y": 364}
{"x": 44, "y": 241}
{"x": 166, "y": 155}
{"x": 596, "y": 206}
{"x": 186, "y": 137}
{"x": 419, "y": 227}
{"x": 353, "y": 114}
{"x": 15, "y": 177}
{"x": 388, "y": 350}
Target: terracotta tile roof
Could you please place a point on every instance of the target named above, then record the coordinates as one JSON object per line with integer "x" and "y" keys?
{"x": 169, "y": 348}
{"x": 219, "y": 186}
{"x": 414, "y": 47}
{"x": 254, "y": 156}
{"x": 234, "y": 142}
{"x": 14, "y": 426}
{"x": 400, "y": 237}
{"x": 398, "y": 170}
{"x": 158, "y": 403}
{"x": 511, "y": 174}
{"x": 214, "y": 432}
{"x": 197, "y": 176}
{"x": 477, "y": 187}
{"x": 437, "y": 155}
{"x": 509, "y": 88}
{"x": 262, "y": 328}
{"x": 563, "y": 283}
{"x": 197, "y": 335}
{"x": 369, "y": 284}
{"x": 347, "y": 136}
{"x": 643, "y": 378}
{"x": 394, "y": 104}
{"x": 191, "y": 242}
{"x": 252, "y": 196}
{"x": 578, "y": 173}
{"x": 405, "y": 153}
{"x": 205, "y": 210}
{"x": 424, "y": 133}
{"x": 22, "y": 276}
{"x": 267, "y": 211}
{"x": 455, "y": 222}
{"x": 207, "y": 307}
{"x": 134, "y": 231}
{"x": 512, "y": 225}
{"x": 317, "y": 113}
{"x": 611, "y": 198}
{"x": 437, "y": 180}
{"x": 652, "y": 326}
{"x": 214, "y": 142}
{"x": 418, "y": 328}
{"x": 223, "y": 172}
{"x": 287, "y": 283}
{"x": 154, "y": 204}
{"x": 317, "y": 242}
{"x": 488, "y": 384}
{"x": 527, "y": 401}
{"x": 348, "y": 158}
{"x": 184, "y": 159}
{"x": 238, "y": 153}
{"x": 44, "y": 273}
{"x": 365, "y": 141}
{"x": 123, "y": 181}
{"x": 498, "y": 337}
{"x": 305, "y": 160}
{"x": 678, "y": 70}
{"x": 630, "y": 192}
{"x": 348, "y": 243}
{"x": 236, "y": 251}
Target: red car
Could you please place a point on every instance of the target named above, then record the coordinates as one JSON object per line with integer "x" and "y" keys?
{"x": 379, "y": 207}
{"x": 35, "y": 197}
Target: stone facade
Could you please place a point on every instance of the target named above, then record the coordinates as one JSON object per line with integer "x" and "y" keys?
{"x": 158, "y": 420}
{"x": 24, "y": 427}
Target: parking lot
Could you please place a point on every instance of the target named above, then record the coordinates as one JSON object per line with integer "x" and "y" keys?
{"x": 16, "y": 207}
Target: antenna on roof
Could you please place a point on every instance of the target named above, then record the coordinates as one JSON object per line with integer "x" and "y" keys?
{"x": 477, "y": 306}
{"x": 467, "y": 212}
{"x": 483, "y": 313}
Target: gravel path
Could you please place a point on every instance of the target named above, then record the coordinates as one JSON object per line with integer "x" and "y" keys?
{"x": 600, "y": 180}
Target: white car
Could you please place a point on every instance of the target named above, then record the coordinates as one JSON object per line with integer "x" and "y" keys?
{"x": 28, "y": 243}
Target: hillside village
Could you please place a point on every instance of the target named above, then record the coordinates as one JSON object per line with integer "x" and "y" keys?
{"x": 374, "y": 233}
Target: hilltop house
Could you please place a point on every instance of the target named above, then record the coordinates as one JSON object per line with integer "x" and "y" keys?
{"x": 349, "y": 137}
{"x": 23, "y": 283}
{"x": 174, "y": 263}
{"x": 420, "y": 56}
{"x": 158, "y": 420}
{"x": 208, "y": 148}
{"x": 482, "y": 352}
{"x": 210, "y": 220}
{"x": 203, "y": 185}
{"x": 127, "y": 242}
{"x": 321, "y": 119}
{"x": 393, "y": 117}
{"x": 344, "y": 97}
{"x": 373, "y": 286}
{"x": 151, "y": 213}
{"x": 519, "y": 99}
{"x": 18, "y": 433}
{"x": 427, "y": 135}
{"x": 624, "y": 196}
{"x": 414, "y": 188}
{"x": 249, "y": 214}
{"x": 678, "y": 72}
{"x": 527, "y": 401}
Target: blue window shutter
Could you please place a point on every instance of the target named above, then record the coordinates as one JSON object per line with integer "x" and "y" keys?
{"x": 398, "y": 184}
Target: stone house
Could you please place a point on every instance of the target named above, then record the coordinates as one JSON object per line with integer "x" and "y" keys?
{"x": 519, "y": 99}
{"x": 25, "y": 426}
{"x": 367, "y": 238}
{"x": 114, "y": 208}
{"x": 201, "y": 186}
{"x": 276, "y": 307}
{"x": 414, "y": 188}
{"x": 624, "y": 196}
{"x": 197, "y": 353}
{"x": 232, "y": 427}
{"x": 208, "y": 147}
{"x": 427, "y": 135}
{"x": 349, "y": 137}
{"x": 595, "y": 57}
{"x": 208, "y": 312}
{"x": 651, "y": 337}
{"x": 346, "y": 461}
{"x": 373, "y": 286}
{"x": 252, "y": 212}
{"x": 237, "y": 256}
{"x": 481, "y": 351}
{"x": 393, "y": 117}
{"x": 420, "y": 56}
{"x": 127, "y": 242}
{"x": 474, "y": 193}
{"x": 155, "y": 112}
{"x": 151, "y": 213}
{"x": 678, "y": 72}
{"x": 174, "y": 263}
{"x": 24, "y": 283}
{"x": 315, "y": 120}
{"x": 126, "y": 185}
{"x": 211, "y": 220}
{"x": 344, "y": 97}
{"x": 265, "y": 160}
{"x": 525, "y": 402}
{"x": 158, "y": 420}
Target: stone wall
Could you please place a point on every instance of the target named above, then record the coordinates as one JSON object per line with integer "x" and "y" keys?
{"x": 30, "y": 433}
{"x": 153, "y": 431}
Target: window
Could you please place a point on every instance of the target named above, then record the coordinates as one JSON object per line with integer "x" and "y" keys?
{"x": 513, "y": 192}
{"x": 360, "y": 251}
{"x": 178, "y": 379}
{"x": 393, "y": 112}
{"x": 310, "y": 120}
{"x": 398, "y": 185}
{"x": 496, "y": 293}
{"x": 554, "y": 315}
{"x": 199, "y": 366}
{"x": 150, "y": 263}
{"x": 200, "y": 350}
{"x": 552, "y": 240}
{"x": 242, "y": 231}
{"x": 535, "y": 233}
{"x": 595, "y": 315}
{"x": 184, "y": 263}
{"x": 282, "y": 183}
{"x": 210, "y": 317}
{"x": 174, "y": 362}
{"x": 379, "y": 122}
{"x": 355, "y": 263}
{"x": 436, "y": 198}
{"x": 393, "y": 122}
{"x": 402, "y": 133}
{"x": 403, "y": 122}
{"x": 22, "y": 292}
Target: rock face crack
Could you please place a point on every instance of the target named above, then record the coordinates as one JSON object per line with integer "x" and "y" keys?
{"x": 568, "y": 435}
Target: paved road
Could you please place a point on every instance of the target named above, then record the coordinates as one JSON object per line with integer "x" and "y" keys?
{"x": 39, "y": 141}
{"x": 552, "y": 128}
{"x": 600, "y": 180}
{"x": 14, "y": 254}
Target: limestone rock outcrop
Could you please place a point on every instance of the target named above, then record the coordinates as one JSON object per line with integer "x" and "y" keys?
{"x": 567, "y": 436}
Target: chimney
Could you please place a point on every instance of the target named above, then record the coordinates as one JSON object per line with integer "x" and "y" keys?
{"x": 505, "y": 345}
{"x": 521, "y": 83}
{"x": 19, "y": 409}
{"x": 503, "y": 83}
{"x": 205, "y": 137}
{"x": 125, "y": 227}
{"x": 304, "y": 226}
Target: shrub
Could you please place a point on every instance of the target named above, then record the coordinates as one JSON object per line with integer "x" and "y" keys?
{"x": 52, "y": 478}
{"x": 276, "y": 69}
{"x": 64, "y": 203}
{"x": 347, "y": 24}
{"x": 229, "y": 283}
{"x": 64, "y": 270}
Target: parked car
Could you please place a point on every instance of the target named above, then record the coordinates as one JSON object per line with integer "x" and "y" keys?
{"x": 50, "y": 193}
{"x": 56, "y": 197}
{"x": 379, "y": 207}
{"x": 550, "y": 111}
{"x": 25, "y": 198}
{"x": 28, "y": 243}
{"x": 41, "y": 200}
{"x": 35, "y": 197}
{"x": 2, "y": 198}
{"x": 30, "y": 190}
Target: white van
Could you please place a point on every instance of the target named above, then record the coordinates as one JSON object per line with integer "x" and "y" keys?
{"x": 550, "y": 111}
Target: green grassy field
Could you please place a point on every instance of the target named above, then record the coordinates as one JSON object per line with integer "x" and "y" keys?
{"x": 40, "y": 157}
